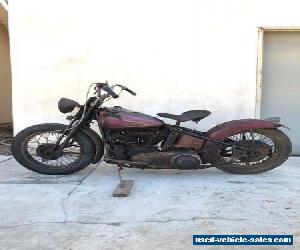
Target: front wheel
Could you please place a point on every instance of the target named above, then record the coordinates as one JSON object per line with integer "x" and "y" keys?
{"x": 266, "y": 149}
{"x": 32, "y": 148}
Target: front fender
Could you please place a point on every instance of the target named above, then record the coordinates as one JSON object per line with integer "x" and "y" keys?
{"x": 226, "y": 129}
{"x": 98, "y": 142}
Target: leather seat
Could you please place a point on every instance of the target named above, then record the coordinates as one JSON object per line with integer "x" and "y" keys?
{"x": 66, "y": 105}
{"x": 191, "y": 115}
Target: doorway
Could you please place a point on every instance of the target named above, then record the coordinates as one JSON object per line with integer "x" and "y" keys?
{"x": 279, "y": 79}
{"x": 6, "y": 131}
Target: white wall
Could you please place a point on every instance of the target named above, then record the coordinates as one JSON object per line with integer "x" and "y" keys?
{"x": 5, "y": 78}
{"x": 177, "y": 54}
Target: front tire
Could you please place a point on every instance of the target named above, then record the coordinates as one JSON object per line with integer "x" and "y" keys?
{"x": 282, "y": 151}
{"x": 28, "y": 158}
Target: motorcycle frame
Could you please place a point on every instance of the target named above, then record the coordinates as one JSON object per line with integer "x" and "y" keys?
{"x": 212, "y": 138}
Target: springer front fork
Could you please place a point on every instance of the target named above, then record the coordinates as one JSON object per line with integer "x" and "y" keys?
{"x": 68, "y": 133}
{"x": 72, "y": 129}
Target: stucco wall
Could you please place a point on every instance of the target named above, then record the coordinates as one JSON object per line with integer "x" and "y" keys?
{"x": 5, "y": 78}
{"x": 177, "y": 55}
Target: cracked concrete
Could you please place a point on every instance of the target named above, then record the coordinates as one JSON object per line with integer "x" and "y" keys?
{"x": 163, "y": 211}
{"x": 73, "y": 190}
{"x": 5, "y": 158}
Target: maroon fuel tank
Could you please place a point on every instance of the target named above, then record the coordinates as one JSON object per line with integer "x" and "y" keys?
{"x": 120, "y": 118}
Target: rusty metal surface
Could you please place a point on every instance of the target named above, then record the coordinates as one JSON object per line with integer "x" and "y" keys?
{"x": 226, "y": 129}
{"x": 187, "y": 141}
{"x": 124, "y": 162}
{"x": 155, "y": 159}
{"x": 168, "y": 156}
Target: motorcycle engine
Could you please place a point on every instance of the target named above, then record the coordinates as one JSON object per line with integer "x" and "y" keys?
{"x": 125, "y": 143}
{"x": 168, "y": 160}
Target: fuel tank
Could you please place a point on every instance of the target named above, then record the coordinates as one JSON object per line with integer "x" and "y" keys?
{"x": 120, "y": 118}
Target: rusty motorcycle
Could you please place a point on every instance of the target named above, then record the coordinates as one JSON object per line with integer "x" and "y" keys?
{"x": 136, "y": 140}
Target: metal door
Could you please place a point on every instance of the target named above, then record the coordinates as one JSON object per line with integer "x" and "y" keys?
{"x": 281, "y": 81}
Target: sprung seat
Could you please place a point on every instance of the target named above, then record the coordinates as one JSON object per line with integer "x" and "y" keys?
{"x": 191, "y": 115}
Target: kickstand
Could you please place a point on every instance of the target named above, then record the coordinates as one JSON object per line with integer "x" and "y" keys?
{"x": 119, "y": 173}
{"x": 124, "y": 187}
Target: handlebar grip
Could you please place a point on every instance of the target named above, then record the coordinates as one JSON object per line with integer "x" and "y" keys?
{"x": 130, "y": 91}
{"x": 109, "y": 91}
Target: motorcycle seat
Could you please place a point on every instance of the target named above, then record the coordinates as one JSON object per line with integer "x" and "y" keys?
{"x": 191, "y": 115}
{"x": 66, "y": 105}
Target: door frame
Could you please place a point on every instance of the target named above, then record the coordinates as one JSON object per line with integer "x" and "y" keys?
{"x": 259, "y": 65}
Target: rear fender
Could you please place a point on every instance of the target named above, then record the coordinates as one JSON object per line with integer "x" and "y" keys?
{"x": 226, "y": 129}
{"x": 98, "y": 142}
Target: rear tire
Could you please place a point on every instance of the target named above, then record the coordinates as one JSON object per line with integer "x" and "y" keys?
{"x": 283, "y": 148}
{"x": 21, "y": 154}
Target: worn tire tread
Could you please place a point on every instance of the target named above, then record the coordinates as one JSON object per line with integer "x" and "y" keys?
{"x": 87, "y": 147}
{"x": 283, "y": 149}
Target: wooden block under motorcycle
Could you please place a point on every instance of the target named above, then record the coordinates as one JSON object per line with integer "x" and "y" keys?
{"x": 123, "y": 189}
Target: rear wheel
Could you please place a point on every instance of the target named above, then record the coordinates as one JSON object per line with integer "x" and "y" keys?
{"x": 263, "y": 150}
{"x": 33, "y": 148}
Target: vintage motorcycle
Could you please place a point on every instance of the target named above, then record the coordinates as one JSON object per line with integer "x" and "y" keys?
{"x": 135, "y": 140}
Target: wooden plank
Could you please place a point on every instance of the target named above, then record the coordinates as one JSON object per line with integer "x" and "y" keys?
{"x": 123, "y": 189}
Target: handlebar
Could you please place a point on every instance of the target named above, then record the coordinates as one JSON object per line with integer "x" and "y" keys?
{"x": 106, "y": 88}
{"x": 126, "y": 89}
{"x": 110, "y": 91}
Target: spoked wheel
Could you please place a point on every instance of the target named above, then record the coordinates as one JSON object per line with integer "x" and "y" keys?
{"x": 35, "y": 149}
{"x": 255, "y": 151}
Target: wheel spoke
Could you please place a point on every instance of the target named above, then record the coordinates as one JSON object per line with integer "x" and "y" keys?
{"x": 251, "y": 140}
{"x": 70, "y": 155}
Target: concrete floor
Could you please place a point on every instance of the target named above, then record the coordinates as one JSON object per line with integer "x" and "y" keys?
{"x": 163, "y": 211}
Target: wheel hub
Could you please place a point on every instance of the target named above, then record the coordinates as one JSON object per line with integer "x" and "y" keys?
{"x": 47, "y": 152}
{"x": 250, "y": 150}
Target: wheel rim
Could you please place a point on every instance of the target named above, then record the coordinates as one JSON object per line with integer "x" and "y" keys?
{"x": 70, "y": 155}
{"x": 262, "y": 142}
